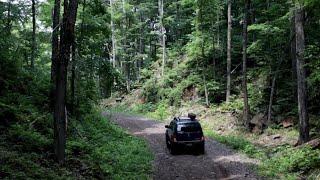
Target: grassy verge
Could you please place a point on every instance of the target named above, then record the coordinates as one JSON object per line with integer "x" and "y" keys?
{"x": 96, "y": 148}
{"x": 157, "y": 112}
{"x": 283, "y": 162}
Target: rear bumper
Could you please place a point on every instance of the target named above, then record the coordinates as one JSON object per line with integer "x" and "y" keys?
{"x": 189, "y": 143}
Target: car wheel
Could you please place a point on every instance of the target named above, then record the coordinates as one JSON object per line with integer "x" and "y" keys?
{"x": 201, "y": 149}
{"x": 173, "y": 149}
{"x": 167, "y": 142}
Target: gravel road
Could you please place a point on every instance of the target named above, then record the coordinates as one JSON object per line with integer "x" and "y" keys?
{"x": 218, "y": 162}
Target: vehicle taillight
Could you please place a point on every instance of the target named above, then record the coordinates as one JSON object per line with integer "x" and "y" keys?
{"x": 174, "y": 139}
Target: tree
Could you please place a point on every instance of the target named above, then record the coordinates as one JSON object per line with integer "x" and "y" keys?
{"x": 66, "y": 40}
{"x": 55, "y": 48}
{"x": 33, "y": 46}
{"x": 162, "y": 35}
{"x": 113, "y": 38}
{"x": 229, "y": 52}
{"x": 246, "y": 109}
{"x": 301, "y": 74}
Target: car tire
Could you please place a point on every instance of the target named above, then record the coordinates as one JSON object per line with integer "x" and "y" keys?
{"x": 201, "y": 149}
{"x": 167, "y": 142}
{"x": 173, "y": 149}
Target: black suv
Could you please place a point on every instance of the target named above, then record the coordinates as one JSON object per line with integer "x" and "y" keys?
{"x": 184, "y": 132}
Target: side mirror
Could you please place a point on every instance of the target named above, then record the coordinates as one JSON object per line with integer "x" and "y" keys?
{"x": 167, "y": 126}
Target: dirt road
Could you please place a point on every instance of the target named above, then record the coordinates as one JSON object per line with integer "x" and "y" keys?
{"x": 218, "y": 162}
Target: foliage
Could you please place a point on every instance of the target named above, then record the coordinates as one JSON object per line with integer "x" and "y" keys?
{"x": 238, "y": 143}
{"x": 291, "y": 162}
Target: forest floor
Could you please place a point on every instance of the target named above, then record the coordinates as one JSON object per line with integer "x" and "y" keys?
{"x": 219, "y": 162}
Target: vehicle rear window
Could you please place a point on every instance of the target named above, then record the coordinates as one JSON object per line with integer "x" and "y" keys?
{"x": 191, "y": 127}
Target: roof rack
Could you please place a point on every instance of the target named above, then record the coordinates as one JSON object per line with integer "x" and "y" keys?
{"x": 181, "y": 118}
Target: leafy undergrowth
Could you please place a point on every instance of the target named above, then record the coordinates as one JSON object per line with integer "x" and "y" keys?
{"x": 96, "y": 149}
{"x": 237, "y": 143}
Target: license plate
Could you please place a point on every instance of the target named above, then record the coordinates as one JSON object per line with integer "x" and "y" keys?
{"x": 189, "y": 144}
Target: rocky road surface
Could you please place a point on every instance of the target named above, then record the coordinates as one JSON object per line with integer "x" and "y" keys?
{"x": 218, "y": 162}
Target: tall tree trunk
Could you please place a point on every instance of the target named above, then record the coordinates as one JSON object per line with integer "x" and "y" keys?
{"x": 293, "y": 58}
{"x": 214, "y": 50}
{"x": 9, "y": 18}
{"x": 218, "y": 27}
{"x": 301, "y": 74}
{"x": 272, "y": 90}
{"x": 229, "y": 53}
{"x": 113, "y": 38}
{"x": 33, "y": 45}
{"x": 162, "y": 35}
{"x": 67, "y": 37}
{"x": 73, "y": 76}
{"x": 246, "y": 109}
{"x": 55, "y": 48}
{"x": 128, "y": 66}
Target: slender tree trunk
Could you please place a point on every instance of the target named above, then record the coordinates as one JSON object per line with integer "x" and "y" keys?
{"x": 246, "y": 109}
{"x": 9, "y": 18}
{"x": 128, "y": 66}
{"x": 229, "y": 53}
{"x": 67, "y": 37}
{"x": 163, "y": 53}
{"x": 113, "y": 38}
{"x": 162, "y": 35}
{"x": 214, "y": 50}
{"x": 218, "y": 28}
{"x": 272, "y": 90}
{"x": 33, "y": 45}
{"x": 293, "y": 58}
{"x": 301, "y": 75}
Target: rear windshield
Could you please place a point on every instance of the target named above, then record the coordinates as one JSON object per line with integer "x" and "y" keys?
{"x": 190, "y": 127}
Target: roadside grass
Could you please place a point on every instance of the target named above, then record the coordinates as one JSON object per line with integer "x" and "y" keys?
{"x": 237, "y": 143}
{"x": 283, "y": 162}
{"x": 116, "y": 153}
{"x": 156, "y": 112}
{"x": 96, "y": 149}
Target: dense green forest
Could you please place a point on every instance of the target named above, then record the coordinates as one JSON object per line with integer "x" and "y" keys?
{"x": 60, "y": 58}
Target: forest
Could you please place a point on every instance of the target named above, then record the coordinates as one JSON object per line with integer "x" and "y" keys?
{"x": 249, "y": 69}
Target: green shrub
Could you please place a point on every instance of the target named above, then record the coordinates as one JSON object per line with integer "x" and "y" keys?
{"x": 290, "y": 162}
{"x": 161, "y": 112}
{"x": 234, "y": 104}
{"x": 238, "y": 143}
{"x": 143, "y": 108}
{"x": 28, "y": 139}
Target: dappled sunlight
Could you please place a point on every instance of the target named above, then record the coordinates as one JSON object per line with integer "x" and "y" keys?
{"x": 150, "y": 131}
{"x": 234, "y": 158}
